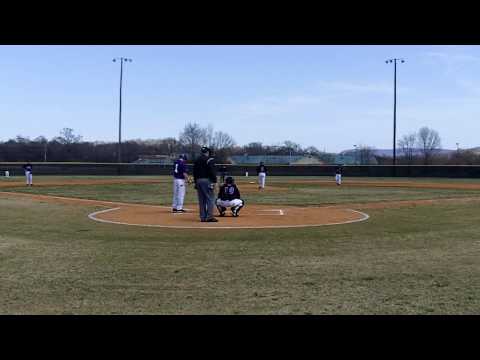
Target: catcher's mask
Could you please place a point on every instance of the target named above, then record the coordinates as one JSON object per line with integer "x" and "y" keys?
{"x": 229, "y": 180}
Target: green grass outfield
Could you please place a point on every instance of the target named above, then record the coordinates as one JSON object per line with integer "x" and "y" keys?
{"x": 410, "y": 260}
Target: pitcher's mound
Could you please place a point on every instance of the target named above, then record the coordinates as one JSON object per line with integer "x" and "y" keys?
{"x": 251, "y": 217}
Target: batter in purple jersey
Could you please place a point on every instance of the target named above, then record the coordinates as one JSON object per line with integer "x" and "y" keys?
{"x": 179, "y": 188}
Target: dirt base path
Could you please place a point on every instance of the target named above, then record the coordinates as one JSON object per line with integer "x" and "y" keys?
{"x": 404, "y": 184}
{"x": 244, "y": 187}
{"x": 251, "y": 186}
{"x": 251, "y": 217}
{"x": 67, "y": 182}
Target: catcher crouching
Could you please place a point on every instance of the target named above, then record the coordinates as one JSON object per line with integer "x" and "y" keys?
{"x": 229, "y": 197}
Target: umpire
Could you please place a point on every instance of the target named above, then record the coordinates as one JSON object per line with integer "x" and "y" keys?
{"x": 205, "y": 178}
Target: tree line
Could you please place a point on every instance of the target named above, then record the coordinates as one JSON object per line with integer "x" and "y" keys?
{"x": 69, "y": 147}
{"x": 416, "y": 148}
{"x": 422, "y": 147}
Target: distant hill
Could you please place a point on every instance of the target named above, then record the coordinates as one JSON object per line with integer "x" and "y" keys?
{"x": 389, "y": 152}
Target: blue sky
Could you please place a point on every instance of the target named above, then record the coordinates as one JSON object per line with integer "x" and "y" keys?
{"x": 330, "y": 97}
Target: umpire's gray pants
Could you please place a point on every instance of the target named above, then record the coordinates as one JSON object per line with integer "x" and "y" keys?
{"x": 206, "y": 198}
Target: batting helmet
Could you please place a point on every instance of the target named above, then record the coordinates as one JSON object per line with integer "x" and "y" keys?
{"x": 229, "y": 180}
{"x": 205, "y": 150}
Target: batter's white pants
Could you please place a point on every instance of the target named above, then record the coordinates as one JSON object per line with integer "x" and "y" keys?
{"x": 179, "y": 190}
{"x": 29, "y": 177}
{"x": 229, "y": 203}
{"x": 261, "y": 179}
{"x": 338, "y": 179}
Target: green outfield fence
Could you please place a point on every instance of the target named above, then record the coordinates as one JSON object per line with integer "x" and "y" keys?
{"x": 45, "y": 168}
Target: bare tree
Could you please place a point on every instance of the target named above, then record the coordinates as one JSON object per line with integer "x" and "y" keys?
{"x": 209, "y": 136}
{"x": 44, "y": 143}
{"x": 293, "y": 147}
{"x": 311, "y": 150}
{"x": 223, "y": 145}
{"x": 67, "y": 137}
{"x": 464, "y": 157}
{"x": 428, "y": 141}
{"x": 22, "y": 139}
{"x": 172, "y": 145}
{"x": 407, "y": 146}
{"x": 254, "y": 148}
{"x": 365, "y": 154}
{"x": 222, "y": 140}
{"x": 192, "y": 138}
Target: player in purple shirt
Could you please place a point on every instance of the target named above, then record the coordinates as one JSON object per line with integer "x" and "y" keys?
{"x": 179, "y": 177}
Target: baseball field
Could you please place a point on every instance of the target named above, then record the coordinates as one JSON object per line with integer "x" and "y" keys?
{"x": 110, "y": 245}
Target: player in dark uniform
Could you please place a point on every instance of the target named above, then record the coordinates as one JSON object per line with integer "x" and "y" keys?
{"x": 338, "y": 175}
{"x": 262, "y": 174}
{"x": 229, "y": 197}
{"x": 205, "y": 178}
{"x": 28, "y": 173}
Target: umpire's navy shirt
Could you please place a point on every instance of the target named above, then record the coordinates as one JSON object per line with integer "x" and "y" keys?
{"x": 204, "y": 168}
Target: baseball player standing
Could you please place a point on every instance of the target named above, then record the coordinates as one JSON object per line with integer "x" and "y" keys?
{"x": 262, "y": 174}
{"x": 338, "y": 175}
{"x": 28, "y": 173}
{"x": 179, "y": 188}
{"x": 205, "y": 178}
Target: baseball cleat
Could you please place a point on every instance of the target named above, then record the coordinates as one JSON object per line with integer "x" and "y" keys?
{"x": 174, "y": 210}
{"x": 211, "y": 220}
{"x": 181, "y": 211}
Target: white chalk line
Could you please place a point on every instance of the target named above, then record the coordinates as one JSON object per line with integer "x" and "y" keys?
{"x": 92, "y": 216}
{"x": 95, "y": 202}
{"x": 280, "y": 212}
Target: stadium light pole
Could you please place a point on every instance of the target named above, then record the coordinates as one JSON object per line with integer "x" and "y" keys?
{"x": 119, "y": 152}
{"x": 458, "y": 153}
{"x": 394, "y": 61}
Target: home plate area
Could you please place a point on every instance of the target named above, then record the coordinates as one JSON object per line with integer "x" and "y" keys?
{"x": 250, "y": 217}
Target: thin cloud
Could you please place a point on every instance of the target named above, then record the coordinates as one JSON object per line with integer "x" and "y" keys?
{"x": 451, "y": 58}
{"x": 452, "y": 62}
{"x": 357, "y": 87}
{"x": 471, "y": 87}
{"x": 327, "y": 94}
